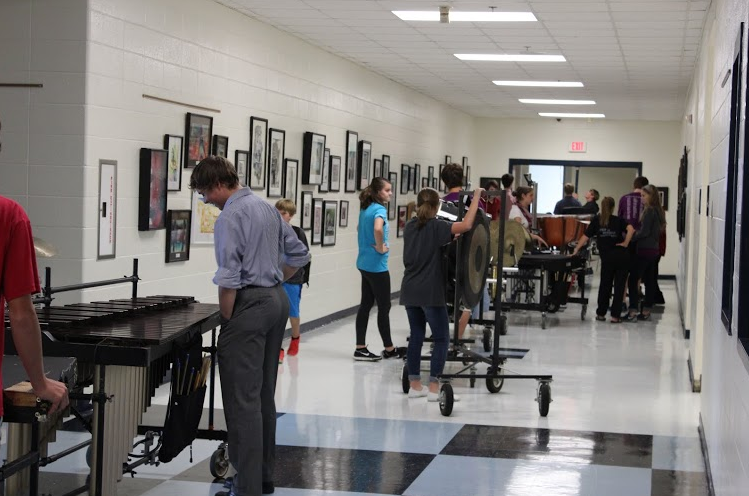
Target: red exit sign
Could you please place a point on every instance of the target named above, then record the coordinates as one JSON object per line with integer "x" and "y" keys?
{"x": 577, "y": 147}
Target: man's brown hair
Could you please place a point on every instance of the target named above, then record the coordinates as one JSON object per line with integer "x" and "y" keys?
{"x": 569, "y": 188}
{"x": 452, "y": 176}
{"x": 213, "y": 171}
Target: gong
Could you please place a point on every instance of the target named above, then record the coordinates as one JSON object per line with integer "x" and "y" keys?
{"x": 474, "y": 262}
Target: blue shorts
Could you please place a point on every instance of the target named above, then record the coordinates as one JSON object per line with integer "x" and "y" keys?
{"x": 294, "y": 292}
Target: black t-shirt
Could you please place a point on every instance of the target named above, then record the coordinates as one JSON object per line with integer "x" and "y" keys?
{"x": 423, "y": 281}
{"x": 607, "y": 237}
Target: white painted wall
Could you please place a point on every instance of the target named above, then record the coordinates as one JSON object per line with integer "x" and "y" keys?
{"x": 725, "y": 395}
{"x": 655, "y": 144}
{"x": 613, "y": 182}
{"x": 41, "y": 163}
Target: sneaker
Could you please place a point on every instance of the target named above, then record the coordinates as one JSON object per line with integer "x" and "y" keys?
{"x": 280, "y": 356}
{"x": 364, "y": 355}
{"x": 434, "y": 397}
{"x": 418, "y": 393}
{"x": 398, "y": 352}
{"x": 228, "y": 482}
{"x": 293, "y": 347}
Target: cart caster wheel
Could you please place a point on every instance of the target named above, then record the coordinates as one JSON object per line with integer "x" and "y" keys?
{"x": 552, "y": 307}
{"x": 405, "y": 382}
{"x": 88, "y": 456}
{"x": 486, "y": 340}
{"x": 584, "y": 312}
{"x": 219, "y": 464}
{"x": 472, "y": 382}
{"x": 494, "y": 384}
{"x": 543, "y": 321}
{"x": 447, "y": 399}
{"x": 544, "y": 399}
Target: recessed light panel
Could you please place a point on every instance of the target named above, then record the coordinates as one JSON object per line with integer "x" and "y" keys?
{"x": 574, "y": 116}
{"x": 541, "y": 84}
{"x": 434, "y": 16}
{"x": 493, "y": 57}
{"x": 556, "y": 102}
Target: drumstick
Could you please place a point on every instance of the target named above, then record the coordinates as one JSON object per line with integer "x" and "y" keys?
{"x": 189, "y": 381}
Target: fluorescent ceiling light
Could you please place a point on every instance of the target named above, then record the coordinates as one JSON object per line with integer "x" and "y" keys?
{"x": 550, "y": 84}
{"x": 580, "y": 116}
{"x": 434, "y": 16}
{"x": 510, "y": 57}
{"x": 556, "y": 102}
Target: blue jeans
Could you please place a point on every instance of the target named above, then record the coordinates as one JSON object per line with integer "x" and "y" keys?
{"x": 418, "y": 317}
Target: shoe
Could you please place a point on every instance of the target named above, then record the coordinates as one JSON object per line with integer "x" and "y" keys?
{"x": 397, "y": 352}
{"x": 228, "y": 482}
{"x": 434, "y": 397}
{"x": 280, "y": 356}
{"x": 601, "y": 318}
{"x": 364, "y": 355}
{"x": 226, "y": 493}
{"x": 615, "y": 320}
{"x": 293, "y": 347}
{"x": 418, "y": 393}
{"x": 268, "y": 488}
{"x": 631, "y": 317}
{"x": 643, "y": 316}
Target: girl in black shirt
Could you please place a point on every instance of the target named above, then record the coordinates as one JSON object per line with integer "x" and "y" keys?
{"x": 613, "y": 235}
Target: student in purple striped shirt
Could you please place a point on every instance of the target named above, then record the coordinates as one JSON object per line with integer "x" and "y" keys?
{"x": 630, "y": 209}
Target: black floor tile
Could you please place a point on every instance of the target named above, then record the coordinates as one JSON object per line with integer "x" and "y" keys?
{"x": 624, "y": 450}
{"x": 359, "y": 471}
{"x": 671, "y": 482}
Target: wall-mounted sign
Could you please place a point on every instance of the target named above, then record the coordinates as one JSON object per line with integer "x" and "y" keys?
{"x": 578, "y": 147}
{"x": 107, "y": 208}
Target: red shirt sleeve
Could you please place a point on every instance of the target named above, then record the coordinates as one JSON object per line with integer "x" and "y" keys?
{"x": 20, "y": 276}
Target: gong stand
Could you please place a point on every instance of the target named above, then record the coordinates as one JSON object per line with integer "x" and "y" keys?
{"x": 495, "y": 375}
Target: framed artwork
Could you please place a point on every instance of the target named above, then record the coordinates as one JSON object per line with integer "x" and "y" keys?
{"x": 317, "y": 226}
{"x": 290, "y": 174}
{"x": 464, "y": 163}
{"x": 325, "y": 184}
{"x": 220, "y": 146}
{"x": 276, "y": 151}
{"x": 430, "y": 175}
{"x": 448, "y": 159}
{"x": 258, "y": 152}
{"x": 663, "y": 193}
{"x": 152, "y": 190}
{"x": 305, "y": 219}
{"x": 424, "y": 182}
{"x": 241, "y": 161}
{"x": 393, "y": 178}
{"x": 107, "y": 209}
{"x": 467, "y": 177}
{"x": 178, "y": 235}
{"x": 335, "y": 173}
{"x": 377, "y": 172}
{"x": 313, "y": 155}
{"x": 417, "y": 177}
{"x": 434, "y": 183}
{"x": 441, "y": 182}
{"x": 198, "y": 132}
{"x": 173, "y": 146}
{"x": 204, "y": 217}
{"x": 343, "y": 218}
{"x": 402, "y": 218}
{"x": 405, "y": 178}
{"x": 364, "y": 167}
{"x": 352, "y": 143}
{"x": 330, "y": 219}
{"x": 386, "y": 166}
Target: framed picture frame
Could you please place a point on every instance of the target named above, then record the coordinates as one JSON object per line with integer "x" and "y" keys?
{"x": 107, "y": 239}
{"x": 290, "y": 178}
{"x": 405, "y": 178}
{"x": 663, "y": 193}
{"x": 258, "y": 152}
{"x": 430, "y": 175}
{"x": 317, "y": 220}
{"x": 203, "y": 219}
{"x": 325, "y": 183}
{"x": 241, "y": 164}
{"x": 335, "y": 173}
{"x": 402, "y": 218}
{"x": 464, "y": 162}
{"x": 276, "y": 155}
{"x": 173, "y": 146}
{"x": 220, "y": 146}
{"x": 466, "y": 177}
{"x": 178, "y": 235}
{"x": 198, "y": 132}
{"x": 152, "y": 189}
{"x": 343, "y": 217}
{"x": 330, "y": 220}
{"x": 412, "y": 179}
{"x": 352, "y": 149}
{"x": 393, "y": 179}
{"x": 305, "y": 212}
{"x": 313, "y": 156}
{"x": 441, "y": 182}
{"x": 417, "y": 178}
{"x": 424, "y": 182}
{"x": 434, "y": 185}
{"x": 377, "y": 168}
{"x": 386, "y": 166}
{"x": 364, "y": 167}
{"x": 448, "y": 159}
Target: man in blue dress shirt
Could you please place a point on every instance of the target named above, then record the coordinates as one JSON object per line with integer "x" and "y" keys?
{"x": 255, "y": 252}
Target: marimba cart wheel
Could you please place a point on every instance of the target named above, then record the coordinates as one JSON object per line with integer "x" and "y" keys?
{"x": 446, "y": 399}
{"x": 405, "y": 382}
{"x": 486, "y": 340}
{"x": 544, "y": 398}
{"x": 583, "y": 312}
{"x": 494, "y": 384}
{"x": 219, "y": 465}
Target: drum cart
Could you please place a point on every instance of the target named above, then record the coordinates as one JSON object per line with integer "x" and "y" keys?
{"x": 471, "y": 272}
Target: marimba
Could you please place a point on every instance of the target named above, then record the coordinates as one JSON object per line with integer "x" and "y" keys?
{"x": 124, "y": 348}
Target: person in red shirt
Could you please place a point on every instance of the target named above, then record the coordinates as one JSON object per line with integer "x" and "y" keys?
{"x": 19, "y": 279}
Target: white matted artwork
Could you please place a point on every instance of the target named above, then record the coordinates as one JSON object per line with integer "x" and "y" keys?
{"x": 317, "y": 228}
{"x": 204, "y": 217}
{"x": 107, "y": 209}
{"x": 305, "y": 220}
{"x": 343, "y": 218}
{"x": 330, "y": 218}
{"x": 335, "y": 173}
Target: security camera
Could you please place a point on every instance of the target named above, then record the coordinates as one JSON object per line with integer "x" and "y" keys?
{"x": 559, "y": 119}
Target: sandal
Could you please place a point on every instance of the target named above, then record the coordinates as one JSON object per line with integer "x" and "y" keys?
{"x": 615, "y": 320}
{"x": 631, "y": 317}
